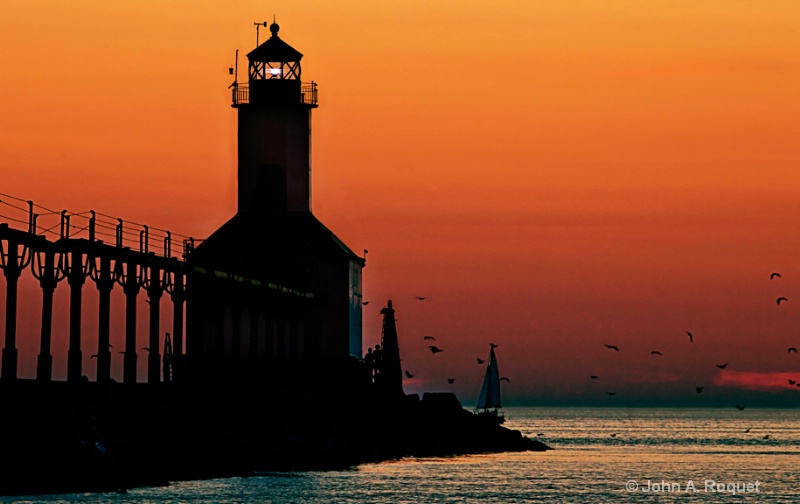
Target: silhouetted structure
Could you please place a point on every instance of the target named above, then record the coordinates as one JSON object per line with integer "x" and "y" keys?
{"x": 272, "y": 293}
{"x": 270, "y": 375}
{"x": 77, "y": 256}
{"x": 390, "y": 383}
{"x": 235, "y": 331}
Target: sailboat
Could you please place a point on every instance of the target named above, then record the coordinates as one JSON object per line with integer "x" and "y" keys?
{"x": 489, "y": 400}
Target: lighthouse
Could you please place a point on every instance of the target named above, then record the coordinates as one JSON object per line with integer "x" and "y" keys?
{"x": 296, "y": 311}
{"x": 274, "y": 109}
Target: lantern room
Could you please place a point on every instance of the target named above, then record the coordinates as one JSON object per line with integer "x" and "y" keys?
{"x": 274, "y": 73}
{"x": 274, "y": 59}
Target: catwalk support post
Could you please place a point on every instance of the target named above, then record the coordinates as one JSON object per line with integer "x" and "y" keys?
{"x": 49, "y": 274}
{"x": 104, "y": 280}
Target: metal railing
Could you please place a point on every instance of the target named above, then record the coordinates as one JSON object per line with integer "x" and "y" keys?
{"x": 241, "y": 93}
{"x": 29, "y": 223}
{"x": 308, "y": 93}
{"x": 95, "y": 226}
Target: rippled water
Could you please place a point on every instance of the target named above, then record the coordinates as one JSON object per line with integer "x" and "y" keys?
{"x": 665, "y": 447}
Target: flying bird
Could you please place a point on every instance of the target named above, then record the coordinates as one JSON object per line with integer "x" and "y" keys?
{"x": 611, "y": 393}
{"x": 434, "y": 349}
{"x": 776, "y": 274}
{"x": 506, "y": 379}
{"x": 740, "y": 408}
{"x": 792, "y": 382}
{"x": 451, "y": 380}
{"x": 540, "y": 434}
{"x": 691, "y": 338}
{"x": 429, "y": 338}
{"x": 93, "y": 356}
{"x": 146, "y": 349}
{"x": 656, "y": 352}
{"x": 612, "y": 347}
{"x": 781, "y": 299}
{"x": 747, "y": 430}
{"x": 698, "y": 389}
{"x": 614, "y": 434}
{"x": 766, "y": 437}
{"x": 420, "y": 298}
{"x": 791, "y": 349}
{"x": 409, "y": 374}
{"x": 365, "y": 303}
{"x": 593, "y": 377}
{"x": 480, "y": 361}
{"x": 722, "y": 366}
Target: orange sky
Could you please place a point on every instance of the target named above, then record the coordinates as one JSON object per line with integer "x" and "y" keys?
{"x": 552, "y": 175}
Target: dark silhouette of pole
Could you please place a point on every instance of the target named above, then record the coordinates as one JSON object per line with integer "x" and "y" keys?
{"x": 128, "y": 276}
{"x": 11, "y": 270}
{"x": 154, "y": 291}
{"x": 44, "y": 362}
{"x": 105, "y": 283}
{"x": 75, "y": 278}
{"x": 178, "y": 295}
{"x": 129, "y": 357}
{"x": 48, "y": 275}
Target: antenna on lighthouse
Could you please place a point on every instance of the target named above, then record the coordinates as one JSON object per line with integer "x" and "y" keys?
{"x": 259, "y": 25}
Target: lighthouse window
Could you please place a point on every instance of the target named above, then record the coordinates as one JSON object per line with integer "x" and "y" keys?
{"x": 260, "y": 70}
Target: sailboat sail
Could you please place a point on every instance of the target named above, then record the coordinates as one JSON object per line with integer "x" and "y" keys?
{"x": 490, "y": 391}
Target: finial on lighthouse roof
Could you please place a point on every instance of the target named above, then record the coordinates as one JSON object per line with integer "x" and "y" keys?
{"x": 274, "y": 27}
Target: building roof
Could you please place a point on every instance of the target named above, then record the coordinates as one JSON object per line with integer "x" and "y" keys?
{"x": 274, "y": 49}
{"x": 272, "y": 245}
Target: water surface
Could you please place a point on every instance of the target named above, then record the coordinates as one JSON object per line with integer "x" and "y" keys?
{"x": 601, "y": 455}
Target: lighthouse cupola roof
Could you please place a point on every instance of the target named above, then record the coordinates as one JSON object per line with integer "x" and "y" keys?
{"x": 274, "y": 59}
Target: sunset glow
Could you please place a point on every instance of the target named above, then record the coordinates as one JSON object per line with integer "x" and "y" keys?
{"x": 552, "y": 176}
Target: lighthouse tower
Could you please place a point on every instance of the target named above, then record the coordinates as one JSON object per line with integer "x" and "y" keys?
{"x": 274, "y": 130}
{"x": 295, "y": 309}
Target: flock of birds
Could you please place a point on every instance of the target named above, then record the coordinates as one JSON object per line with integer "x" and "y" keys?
{"x": 434, "y": 349}
{"x": 699, "y": 389}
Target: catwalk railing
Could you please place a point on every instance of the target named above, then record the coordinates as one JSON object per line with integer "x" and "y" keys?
{"x": 240, "y": 93}
{"x": 110, "y": 252}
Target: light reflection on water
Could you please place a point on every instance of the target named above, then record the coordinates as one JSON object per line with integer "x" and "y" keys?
{"x": 587, "y": 465}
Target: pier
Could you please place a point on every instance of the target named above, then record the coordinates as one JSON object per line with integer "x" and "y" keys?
{"x": 78, "y": 249}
